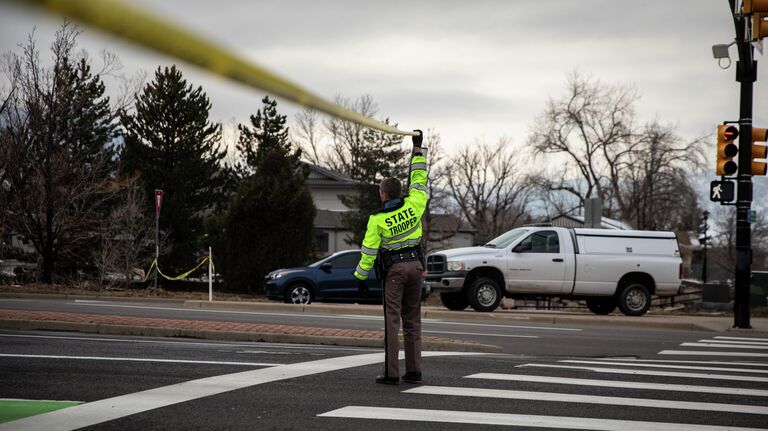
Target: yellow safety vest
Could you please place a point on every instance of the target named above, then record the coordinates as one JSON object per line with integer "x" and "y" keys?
{"x": 399, "y": 226}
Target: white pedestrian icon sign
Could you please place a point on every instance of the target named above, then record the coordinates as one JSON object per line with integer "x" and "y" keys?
{"x": 716, "y": 191}
{"x": 721, "y": 191}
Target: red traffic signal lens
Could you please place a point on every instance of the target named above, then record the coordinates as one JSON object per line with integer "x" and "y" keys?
{"x": 730, "y": 133}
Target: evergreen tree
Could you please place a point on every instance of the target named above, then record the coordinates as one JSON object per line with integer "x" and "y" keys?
{"x": 171, "y": 142}
{"x": 270, "y": 221}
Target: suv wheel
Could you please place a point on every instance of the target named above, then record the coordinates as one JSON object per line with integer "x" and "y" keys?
{"x": 634, "y": 299}
{"x": 484, "y": 294}
{"x": 456, "y": 301}
{"x": 601, "y": 306}
{"x": 298, "y": 294}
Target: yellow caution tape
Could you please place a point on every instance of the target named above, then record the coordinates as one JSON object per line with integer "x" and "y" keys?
{"x": 131, "y": 23}
{"x": 178, "y": 277}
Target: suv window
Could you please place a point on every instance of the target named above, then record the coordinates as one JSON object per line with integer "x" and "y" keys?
{"x": 347, "y": 260}
{"x": 540, "y": 242}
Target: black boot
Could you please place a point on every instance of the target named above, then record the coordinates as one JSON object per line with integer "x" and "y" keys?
{"x": 412, "y": 377}
{"x": 387, "y": 380}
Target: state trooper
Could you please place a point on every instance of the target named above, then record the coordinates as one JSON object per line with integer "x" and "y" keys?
{"x": 394, "y": 235}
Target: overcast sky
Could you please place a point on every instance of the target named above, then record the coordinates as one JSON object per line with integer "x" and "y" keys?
{"x": 468, "y": 69}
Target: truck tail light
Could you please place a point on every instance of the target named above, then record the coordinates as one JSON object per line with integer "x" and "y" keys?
{"x": 680, "y": 271}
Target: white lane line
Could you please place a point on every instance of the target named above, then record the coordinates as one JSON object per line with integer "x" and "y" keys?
{"x": 117, "y": 407}
{"x": 481, "y": 334}
{"x": 322, "y": 316}
{"x": 621, "y": 384}
{"x": 712, "y": 353}
{"x": 532, "y": 421}
{"x": 653, "y": 373}
{"x": 489, "y": 325}
{"x": 745, "y": 343}
{"x": 587, "y": 399}
{"x": 191, "y": 343}
{"x": 677, "y": 367}
{"x": 168, "y": 361}
{"x": 672, "y": 361}
{"x": 724, "y": 346}
{"x": 722, "y": 337}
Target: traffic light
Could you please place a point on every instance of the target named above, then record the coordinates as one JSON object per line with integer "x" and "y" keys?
{"x": 759, "y": 151}
{"x": 759, "y": 11}
{"x": 726, "y": 150}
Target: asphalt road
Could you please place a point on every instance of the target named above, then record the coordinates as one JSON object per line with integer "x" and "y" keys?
{"x": 550, "y": 376}
{"x": 181, "y": 384}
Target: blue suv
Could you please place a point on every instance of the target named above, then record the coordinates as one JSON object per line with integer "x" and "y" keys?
{"x": 329, "y": 279}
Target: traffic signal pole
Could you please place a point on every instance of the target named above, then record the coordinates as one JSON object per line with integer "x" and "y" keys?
{"x": 745, "y": 75}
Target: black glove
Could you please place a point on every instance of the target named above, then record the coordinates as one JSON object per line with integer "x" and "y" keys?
{"x": 362, "y": 287}
{"x": 417, "y": 139}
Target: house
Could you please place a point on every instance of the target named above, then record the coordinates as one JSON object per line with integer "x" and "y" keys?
{"x": 443, "y": 230}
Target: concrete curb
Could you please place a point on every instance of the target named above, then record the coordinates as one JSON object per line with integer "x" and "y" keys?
{"x": 683, "y": 323}
{"x": 154, "y": 331}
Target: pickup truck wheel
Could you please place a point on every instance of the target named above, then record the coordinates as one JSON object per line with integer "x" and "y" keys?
{"x": 634, "y": 299}
{"x": 454, "y": 300}
{"x": 484, "y": 294}
{"x": 601, "y": 306}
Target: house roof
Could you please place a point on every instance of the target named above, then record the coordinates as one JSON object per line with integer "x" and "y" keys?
{"x": 319, "y": 175}
{"x": 448, "y": 223}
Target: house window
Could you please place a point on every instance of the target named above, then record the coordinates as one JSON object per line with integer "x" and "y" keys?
{"x": 321, "y": 240}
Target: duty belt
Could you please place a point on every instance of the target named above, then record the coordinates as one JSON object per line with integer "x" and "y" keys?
{"x": 397, "y": 256}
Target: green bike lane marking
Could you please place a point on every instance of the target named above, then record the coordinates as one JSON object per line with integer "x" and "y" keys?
{"x": 11, "y": 409}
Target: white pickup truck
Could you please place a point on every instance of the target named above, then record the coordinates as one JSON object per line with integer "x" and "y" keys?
{"x": 607, "y": 268}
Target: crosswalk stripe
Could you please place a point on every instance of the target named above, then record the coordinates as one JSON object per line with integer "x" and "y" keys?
{"x": 713, "y": 353}
{"x": 673, "y": 361}
{"x": 622, "y": 384}
{"x": 586, "y": 399}
{"x": 723, "y": 337}
{"x": 746, "y": 343}
{"x": 678, "y": 367}
{"x": 533, "y": 421}
{"x": 724, "y": 346}
{"x": 654, "y": 373}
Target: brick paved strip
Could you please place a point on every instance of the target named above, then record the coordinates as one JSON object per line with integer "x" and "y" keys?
{"x": 231, "y": 331}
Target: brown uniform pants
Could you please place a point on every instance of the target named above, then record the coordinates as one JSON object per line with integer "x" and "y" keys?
{"x": 402, "y": 297}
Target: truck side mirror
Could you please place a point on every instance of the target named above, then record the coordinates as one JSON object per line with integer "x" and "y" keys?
{"x": 326, "y": 267}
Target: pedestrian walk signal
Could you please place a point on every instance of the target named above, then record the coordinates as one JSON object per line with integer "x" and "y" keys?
{"x": 721, "y": 191}
{"x": 726, "y": 150}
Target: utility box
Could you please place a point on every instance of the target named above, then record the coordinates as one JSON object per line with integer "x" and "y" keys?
{"x": 758, "y": 289}
{"x": 716, "y": 292}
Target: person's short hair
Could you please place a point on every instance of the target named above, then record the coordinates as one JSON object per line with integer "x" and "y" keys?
{"x": 391, "y": 186}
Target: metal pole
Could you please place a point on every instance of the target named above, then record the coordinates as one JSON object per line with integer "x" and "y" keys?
{"x": 745, "y": 75}
{"x": 157, "y": 247}
{"x": 210, "y": 274}
{"x": 706, "y": 243}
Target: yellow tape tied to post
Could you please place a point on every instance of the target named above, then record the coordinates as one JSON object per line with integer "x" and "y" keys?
{"x": 152, "y": 32}
{"x": 178, "y": 277}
